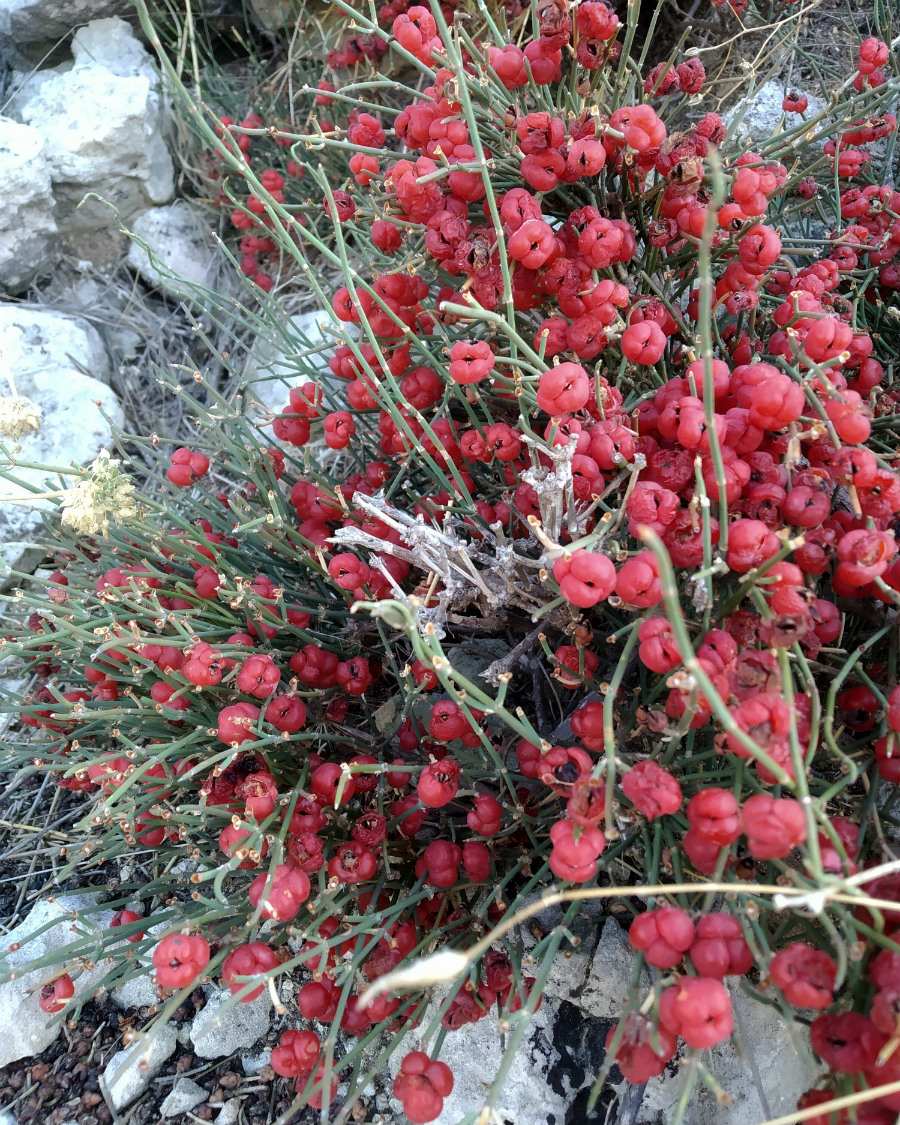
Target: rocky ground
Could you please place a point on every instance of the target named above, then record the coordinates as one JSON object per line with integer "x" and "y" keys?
{"x": 86, "y": 146}
{"x": 211, "y": 1062}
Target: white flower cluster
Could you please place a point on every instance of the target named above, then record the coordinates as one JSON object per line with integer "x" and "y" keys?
{"x": 106, "y": 493}
{"x": 19, "y": 416}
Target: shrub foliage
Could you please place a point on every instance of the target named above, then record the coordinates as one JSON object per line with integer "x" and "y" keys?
{"x": 569, "y": 565}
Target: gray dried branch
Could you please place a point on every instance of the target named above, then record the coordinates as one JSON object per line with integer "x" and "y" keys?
{"x": 492, "y": 576}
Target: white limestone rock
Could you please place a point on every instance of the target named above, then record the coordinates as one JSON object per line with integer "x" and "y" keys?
{"x": 274, "y": 14}
{"x": 103, "y": 124}
{"x": 605, "y": 995}
{"x": 185, "y": 1095}
{"x": 43, "y": 351}
{"x": 763, "y": 1068}
{"x": 25, "y": 1029}
{"x": 172, "y": 245}
{"x": 759, "y": 115}
{"x": 474, "y": 1054}
{"x": 574, "y": 961}
{"x": 40, "y": 21}
{"x": 229, "y": 1113}
{"x": 130, "y": 1071}
{"x": 28, "y": 229}
{"x": 35, "y": 339}
{"x": 253, "y": 1061}
{"x": 216, "y": 1032}
{"x": 139, "y": 992}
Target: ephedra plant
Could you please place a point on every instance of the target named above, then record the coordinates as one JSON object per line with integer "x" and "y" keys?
{"x": 606, "y": 388}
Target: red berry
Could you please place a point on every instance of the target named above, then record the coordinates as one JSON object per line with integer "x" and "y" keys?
{"x": 563, "y": 389}
{"x": 476, "y": 861}
{"x": 125, "y": 918}
{"x": 288, "y": 889}
{"x": 286, "y": 713}
{"x": 236, "y": 723}
{"x": 485, "y": 817}
{"x": 698, "y": 1009}
{"x": 637, "y": 582}
{"x": 773, "y": 826}
{"x": 750, "y": 543}
{"x": 652, "y": 790}
{"x": 575, "y": 859}
{"x": 719, "y": 948}
{"x": 795, "y": 103}
{"x": 258, "y": 676}
{"x": 585, "y": 578}
{"x": 348, "y": 571}
{"x": 55, "y": 995}
{"x": 438, "y": 783}
{"x": 325, "y": 783}
{"x": 470, "y": 361}
{"x": 714, "y": 814}
{"x": 643, "y": 343}
{"x": 421, "y": 1085}
{"x": 662, "y": 935}
{"x": 805, "y": 975}
{"x": 318, "y": 1000}
{"x": 187, "y": 467}
{"x": 643, "y": 1049}
{"x": 297, "y": 1053}
{"x": 180, "y": 959}
{"x": 848, "y": 1042}
{"x": 658, "y": 650}
{"x": 440, "y": 863}
{"x": 353, "y": 863}
{"x": 251, "y": 960}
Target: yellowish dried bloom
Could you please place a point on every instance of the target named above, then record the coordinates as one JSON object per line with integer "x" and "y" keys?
{"x": 106, "y": 493}
{"x": 19, "y": 416}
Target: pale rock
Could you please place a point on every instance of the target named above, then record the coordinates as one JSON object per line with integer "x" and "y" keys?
{"x": 573, "y": 962}
{"x": 28, "y": 229}
{"x": 25, "y": 1029}
{"x": 605, "y": 996}
{"x": 129, "y": 1072}
{"x": 42, "y": 351}
{"x": 35, "y": 339}
{"x": 139, "y": 992}
{"x": 274, "y": 14}
{"x": 29, "y": 28}
{"x": 229, "y": 1113}
{"x": 185, "y": 1095}
{"x": 219, "y": 1030}
{"x": 254, "y": 1061}
{"x": 7, "y": 1118}
{"x": 110, "y": 43}
{"x": 172, "y": 248}
{"x": 121, "y": 312}
{"x": 474, "y": 1054}
{"x": 759, "y": 116}
{"x": 471, "y": 658}
{"x": 40, "y": 21}
{"x": 103, "y": 125}
{"x": 12, "y": 688}
{"x": 763, "y": 1068}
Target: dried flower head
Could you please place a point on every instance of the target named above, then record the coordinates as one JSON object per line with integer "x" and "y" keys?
{"x": 19, "y": 416}
{"x": 106, "y": 493}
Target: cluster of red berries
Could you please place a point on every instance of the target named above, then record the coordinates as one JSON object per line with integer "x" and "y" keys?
{"x": 421, "y": 1085}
